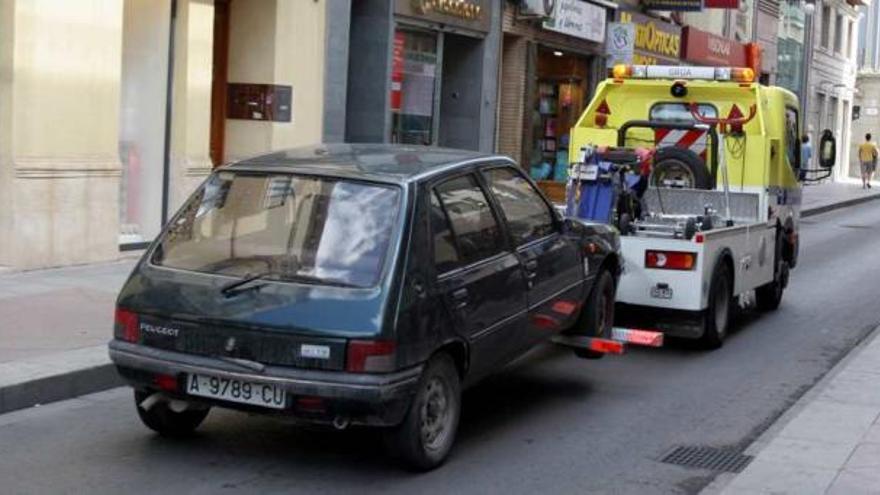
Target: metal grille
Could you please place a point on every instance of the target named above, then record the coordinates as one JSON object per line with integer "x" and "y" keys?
{"x": 743, "y": 206}
{"x": 711, "y": 458}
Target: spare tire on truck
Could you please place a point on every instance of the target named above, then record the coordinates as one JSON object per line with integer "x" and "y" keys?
{"x": 679, "y": 167}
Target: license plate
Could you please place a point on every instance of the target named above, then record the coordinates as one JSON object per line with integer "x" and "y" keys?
{"x": 240, "y": 391}
{"x": 661, "y": 292}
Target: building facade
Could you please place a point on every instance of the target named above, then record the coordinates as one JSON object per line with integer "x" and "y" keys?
{"x": 112, "y": 111}
{"x": 831, "y": 80}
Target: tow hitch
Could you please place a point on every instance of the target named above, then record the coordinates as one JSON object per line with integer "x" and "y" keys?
{"x": 620, "y": 337}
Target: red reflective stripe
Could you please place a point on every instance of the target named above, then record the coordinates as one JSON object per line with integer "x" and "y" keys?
{"x": 606, "y": 346}
{"x": 660, "y": 133}
{"x": 689, "y": 138}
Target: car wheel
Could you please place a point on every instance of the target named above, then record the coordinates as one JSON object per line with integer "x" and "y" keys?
{"x": 769, "y": 296}
{"x": 424, "y": 438}
{"x": 716, "y": 318}
{"x": 597, "y": 315}
{"x": 162, "y": 419}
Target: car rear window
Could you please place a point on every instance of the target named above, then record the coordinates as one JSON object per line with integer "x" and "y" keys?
{"x": 288, "y": 227}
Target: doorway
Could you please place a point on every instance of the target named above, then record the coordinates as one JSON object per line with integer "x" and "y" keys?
{"x": 219, "y": 81}
{"x": 461, "y": 92}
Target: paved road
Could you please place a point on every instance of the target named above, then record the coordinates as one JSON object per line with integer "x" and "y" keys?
{"x": 551, "y": 423}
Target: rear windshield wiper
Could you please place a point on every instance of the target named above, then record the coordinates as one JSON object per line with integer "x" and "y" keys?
{"x": 235, "y": 284}
{"x": 308, "y": 279}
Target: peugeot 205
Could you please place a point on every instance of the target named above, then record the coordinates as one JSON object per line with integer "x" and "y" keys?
{"x": 355, "y": 285}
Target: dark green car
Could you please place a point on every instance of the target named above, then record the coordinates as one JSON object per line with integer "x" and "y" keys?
{"x": 355, "y": 284}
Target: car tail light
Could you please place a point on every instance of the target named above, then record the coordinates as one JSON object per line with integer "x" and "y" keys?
{"x": 370, "y": 356}
{"x": 167, "y": 383}
{"x": 126, "y": 326}
{"x": 670, "y": 260}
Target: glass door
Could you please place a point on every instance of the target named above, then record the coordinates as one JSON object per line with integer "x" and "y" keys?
{"x": 414, "y": 74}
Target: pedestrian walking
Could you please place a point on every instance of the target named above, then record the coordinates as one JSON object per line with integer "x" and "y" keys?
{"x": 806, "y": 155}
{"x": 867, "y": 160}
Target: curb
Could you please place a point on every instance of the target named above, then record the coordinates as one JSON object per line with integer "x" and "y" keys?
{"x": 818, "y": 210}
{"x": 58, "y": 387}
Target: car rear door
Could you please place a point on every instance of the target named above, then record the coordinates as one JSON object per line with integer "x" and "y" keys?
{"x": 553, "y": 264}
{"x": 481, "y": 280}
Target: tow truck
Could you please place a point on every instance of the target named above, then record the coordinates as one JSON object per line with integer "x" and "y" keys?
{"x": 717, "y": 224}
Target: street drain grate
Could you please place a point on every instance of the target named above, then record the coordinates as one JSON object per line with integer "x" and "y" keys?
{"x": 857, "y": 226}
{"x": 710, "y": 458}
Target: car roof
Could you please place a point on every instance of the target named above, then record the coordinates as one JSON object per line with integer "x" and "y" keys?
{"x": 380, "y": 162}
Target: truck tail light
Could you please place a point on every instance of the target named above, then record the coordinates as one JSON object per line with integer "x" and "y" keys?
{"x": 670, "y": 260}
{"x": 370, "y": 356}
{"x": 126, "y": 325}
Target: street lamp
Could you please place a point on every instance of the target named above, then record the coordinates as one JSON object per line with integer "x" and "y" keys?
{"x": 809, "y": 7}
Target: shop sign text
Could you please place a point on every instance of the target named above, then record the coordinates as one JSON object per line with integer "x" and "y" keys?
{"x": 579, "y": 19}
{"x": 655, "y": 41}
{"x": 620, "y": 45}
{"x": 457, "y": 8}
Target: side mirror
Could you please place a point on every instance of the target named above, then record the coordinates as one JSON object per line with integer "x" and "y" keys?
{"x": 827, "y": 150}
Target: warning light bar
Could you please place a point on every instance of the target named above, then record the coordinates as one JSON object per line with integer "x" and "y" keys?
{"x": 737, "y": 74}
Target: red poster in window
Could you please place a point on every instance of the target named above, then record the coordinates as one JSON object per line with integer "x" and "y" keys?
{"x": 397, "y": 71}
{"x": 721, "y": 4}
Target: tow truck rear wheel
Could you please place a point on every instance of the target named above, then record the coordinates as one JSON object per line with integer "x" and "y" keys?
{"x": 716, "y": 318}
{"x": 769, "y": 296}
{"x": 597, "y": 315}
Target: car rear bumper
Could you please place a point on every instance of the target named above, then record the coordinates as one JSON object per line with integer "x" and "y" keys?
{"x": 361, "y": 398}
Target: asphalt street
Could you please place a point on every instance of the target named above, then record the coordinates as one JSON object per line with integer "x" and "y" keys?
{"x": 550, "y": 423}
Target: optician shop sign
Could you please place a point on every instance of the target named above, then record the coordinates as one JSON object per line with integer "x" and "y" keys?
{"x": 577, "y": 18}
{"x": 656, "y": 42}
{"x": 700, "y": 47}
{"x": 472, "y": 14}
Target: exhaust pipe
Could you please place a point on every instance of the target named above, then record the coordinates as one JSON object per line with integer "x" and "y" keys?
{"x": 150, "y": 401}
{"x": 175, "y": 405}
{"x": 340, "y": 422}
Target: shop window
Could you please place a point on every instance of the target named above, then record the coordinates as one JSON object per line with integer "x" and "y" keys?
{"x": 560, "y": 98}
{"x": 413, "y": 83}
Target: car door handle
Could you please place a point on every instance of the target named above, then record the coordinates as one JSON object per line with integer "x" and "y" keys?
{"x": 460, "y": 296}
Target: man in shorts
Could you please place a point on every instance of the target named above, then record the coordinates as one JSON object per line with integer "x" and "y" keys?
{"x": 867, "y": 160}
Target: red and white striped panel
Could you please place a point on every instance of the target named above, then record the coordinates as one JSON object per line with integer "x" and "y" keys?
{"x": 694, "y": 140}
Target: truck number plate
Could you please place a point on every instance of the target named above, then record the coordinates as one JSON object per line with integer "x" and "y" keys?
{"x": 661, "y": 292}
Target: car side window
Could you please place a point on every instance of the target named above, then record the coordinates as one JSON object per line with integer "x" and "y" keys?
{"x": 473, "y": 227}
{"x": 446, "y": 256}
{"x": 528, "y": 216}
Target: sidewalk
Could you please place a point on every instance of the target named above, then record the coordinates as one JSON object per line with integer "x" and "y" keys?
{"x": 828, "y": 442}
{"x": 55, "y": 323}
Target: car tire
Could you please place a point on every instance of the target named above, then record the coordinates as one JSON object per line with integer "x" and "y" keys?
{"x": 425, "y": 437}
{"x": 769, "y": 296}
{"x": 597, "y": 315}
{"x": 716, "y": 318}
{"x": 165, "y": 421}
{"x": 677, "y": 163}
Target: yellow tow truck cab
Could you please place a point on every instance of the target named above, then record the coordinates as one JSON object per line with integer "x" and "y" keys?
{"x": 719, "y": 219}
